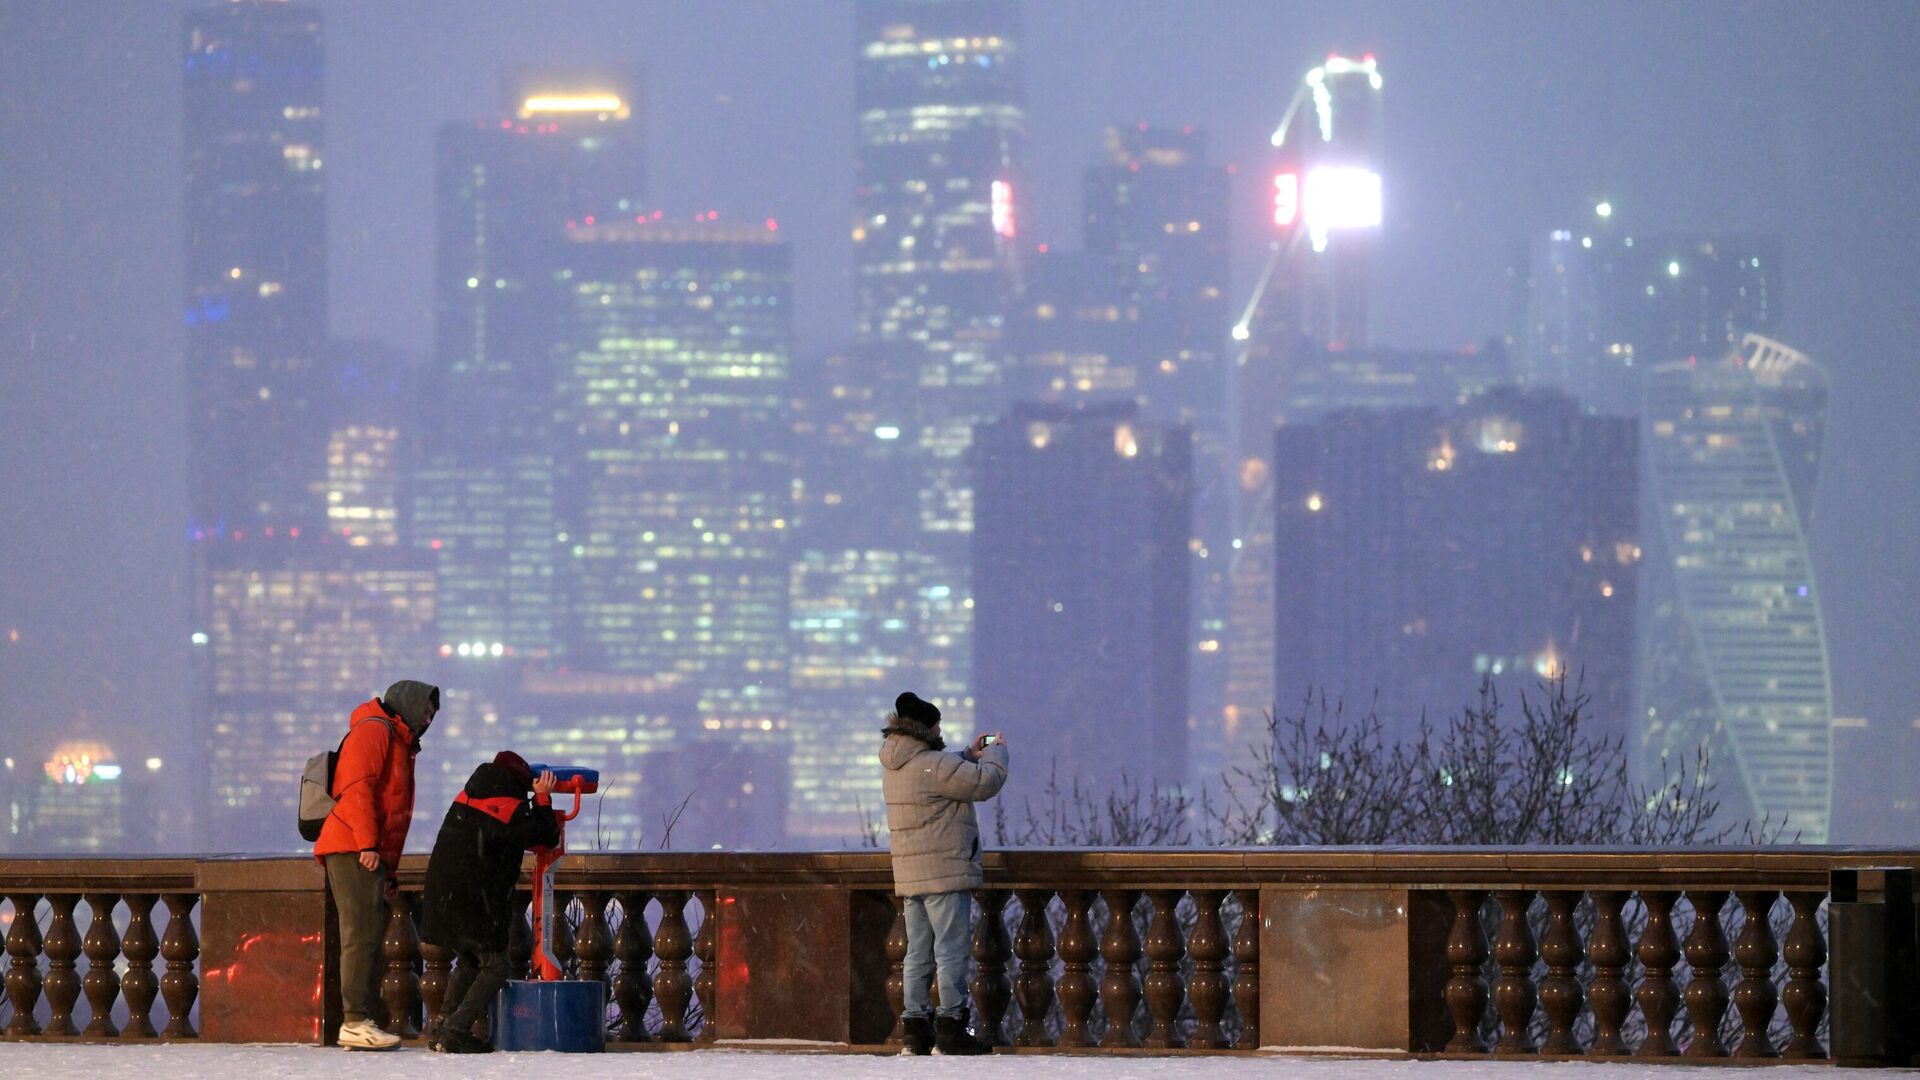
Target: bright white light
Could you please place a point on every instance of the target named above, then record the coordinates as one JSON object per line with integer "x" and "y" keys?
{"x": 153, "y": 764}
{"x": 886, "y": 431}
{"x": 1002, "y": 202}
{"x": 1673, "y": 269}
{"x": 1586, "y": 241}
{"x": 496, "y": 649}
{"x": 1240, "y": 332}
{"x": 107, "y": 772}
{"x": 1342, "y": 197}
{"x": 1605, "y": 210}
{"x": 199, "y": 638}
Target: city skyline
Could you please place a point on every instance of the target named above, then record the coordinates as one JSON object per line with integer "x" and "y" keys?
{"x": 367, "y": 442}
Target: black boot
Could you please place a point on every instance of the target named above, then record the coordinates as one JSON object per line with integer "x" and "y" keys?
{"x": 950, "y": 1036}
{"x": 919, "y": 1037}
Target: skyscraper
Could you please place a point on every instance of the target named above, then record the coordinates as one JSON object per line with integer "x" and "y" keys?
{"x": 1419, "y": 550}
{"x": 1309, "y": 303}
{"x": 1081, "y": 590}
{"x": 942, "y": 123}
{"x": 256, "y": 266}
{"x": 1597, "y": 309}
{"x": 1157, "y": 250}
{"x": 675, "y": 485}
{"x": 1733, "y": 648}
{"x": 260, "y": 402}
{"x": 565, "y": 148}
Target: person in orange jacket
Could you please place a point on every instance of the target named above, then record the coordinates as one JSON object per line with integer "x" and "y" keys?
{"x": 361, "y": 839}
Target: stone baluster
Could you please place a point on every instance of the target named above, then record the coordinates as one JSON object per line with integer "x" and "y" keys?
{"x": 399, "y": 986}
{"x": 992, "y": 991}
{"x": 23, "y": 972}
{"x": 1120, "y": 986}
{"x": 1806, "y": 995}
{"x": 1208, "y": 987}
{"x": 180, "y": 945}
{"x": 1246, "y": 973}
{"x": 62, "y": 949}
{"x": 593, "y": 942}
{"x": 436, "y": 968}
{"x": 140, "y": 986}
{"x": 1513, "y": 992}
{"x": 1755, "y": 951}
{"x": 1609, "y": 993}
{"x": 897, "y": 972}
{"x": 632, "y": 986}
{"x": 520, "y": 937}
{"x": 1466, "y": 991}
{"x": 673, "y": 988}
{"x": 1560, "y": 990}
{"x": 1034, "y": 988}
{"x": 1706, "y": 951}
{"x": 102, "y": 984}
{"x": 1659, "y": 998}
{"x": 1075, "y": 989}
{"x": 705, "y": 946}
{"x": 1164, "y": 988}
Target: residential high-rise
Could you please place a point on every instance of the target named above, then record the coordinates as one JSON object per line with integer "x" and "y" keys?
{"x": 1597, "y": 309}
{"x": 256, "y": 266}
{"x": 1080, "y": 555}
{"x": 675, "y": 484}
{"x": 1420, "y": 550}
{"x": 1733, "y": 648}
{"x": 1317, "y": 383}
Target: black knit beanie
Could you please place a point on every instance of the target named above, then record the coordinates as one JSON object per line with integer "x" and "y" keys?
{"x": 909, "y": 707}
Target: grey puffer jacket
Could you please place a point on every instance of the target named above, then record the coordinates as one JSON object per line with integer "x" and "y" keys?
{"x": 930, "y": 793}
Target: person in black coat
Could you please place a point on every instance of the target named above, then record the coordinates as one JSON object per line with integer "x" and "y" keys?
{"x": 470, "y": 879}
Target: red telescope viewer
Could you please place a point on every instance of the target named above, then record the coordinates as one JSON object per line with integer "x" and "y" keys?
{"x": 568, "y": 780}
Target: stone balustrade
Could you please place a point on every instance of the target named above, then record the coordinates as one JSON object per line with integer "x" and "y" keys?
{"x": 1700, "y": 954}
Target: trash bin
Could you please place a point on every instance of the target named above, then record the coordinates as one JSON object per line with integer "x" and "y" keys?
{"x": 1872, "y": 976}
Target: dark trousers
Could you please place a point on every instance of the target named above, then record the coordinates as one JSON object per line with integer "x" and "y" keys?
{"x": 360, "y": 897}
{"x": 477, "y": 976}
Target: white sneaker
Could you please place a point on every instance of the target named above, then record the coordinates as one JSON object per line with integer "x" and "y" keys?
{"x": 366, "y": 1035}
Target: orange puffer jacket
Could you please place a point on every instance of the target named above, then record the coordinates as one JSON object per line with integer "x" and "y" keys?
{"x": 373, "y": 784}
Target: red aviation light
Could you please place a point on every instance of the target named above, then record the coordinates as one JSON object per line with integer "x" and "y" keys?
{"x": 1286, "y": 199}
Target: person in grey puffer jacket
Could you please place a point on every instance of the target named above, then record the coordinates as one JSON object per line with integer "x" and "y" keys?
{"x": 935, "y": 842}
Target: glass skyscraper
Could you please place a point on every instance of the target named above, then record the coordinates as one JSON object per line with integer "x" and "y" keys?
{"x": 675, "y": 485}
{"x": 1597, "y": 308}
{"x": 566, "y": 149}
{"x": 1733, "y": 648}
{"x": 256, "y": 267}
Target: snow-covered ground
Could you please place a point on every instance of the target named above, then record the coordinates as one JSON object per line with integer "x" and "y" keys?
{"x": 42, "y": 1061}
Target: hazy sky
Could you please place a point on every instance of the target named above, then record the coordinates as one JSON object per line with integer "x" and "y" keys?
{"x": 1503, "y": 120}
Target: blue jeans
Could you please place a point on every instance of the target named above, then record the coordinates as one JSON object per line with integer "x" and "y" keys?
{"x": 937, "y": 937}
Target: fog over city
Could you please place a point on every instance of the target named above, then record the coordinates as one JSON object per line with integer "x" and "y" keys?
{"x": 675, "y": 382}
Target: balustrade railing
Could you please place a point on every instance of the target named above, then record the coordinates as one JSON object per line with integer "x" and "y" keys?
{"x": 1701, "y": 955}
{"x": 134, "y": 913}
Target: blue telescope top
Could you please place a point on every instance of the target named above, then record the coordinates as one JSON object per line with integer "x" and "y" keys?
{"x": 571, "y": 779}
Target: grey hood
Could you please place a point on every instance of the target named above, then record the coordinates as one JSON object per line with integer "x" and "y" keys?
{"x": 414, "y": 703}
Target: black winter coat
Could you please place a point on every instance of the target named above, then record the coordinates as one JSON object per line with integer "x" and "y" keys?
{"x": 476, "y": 860}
